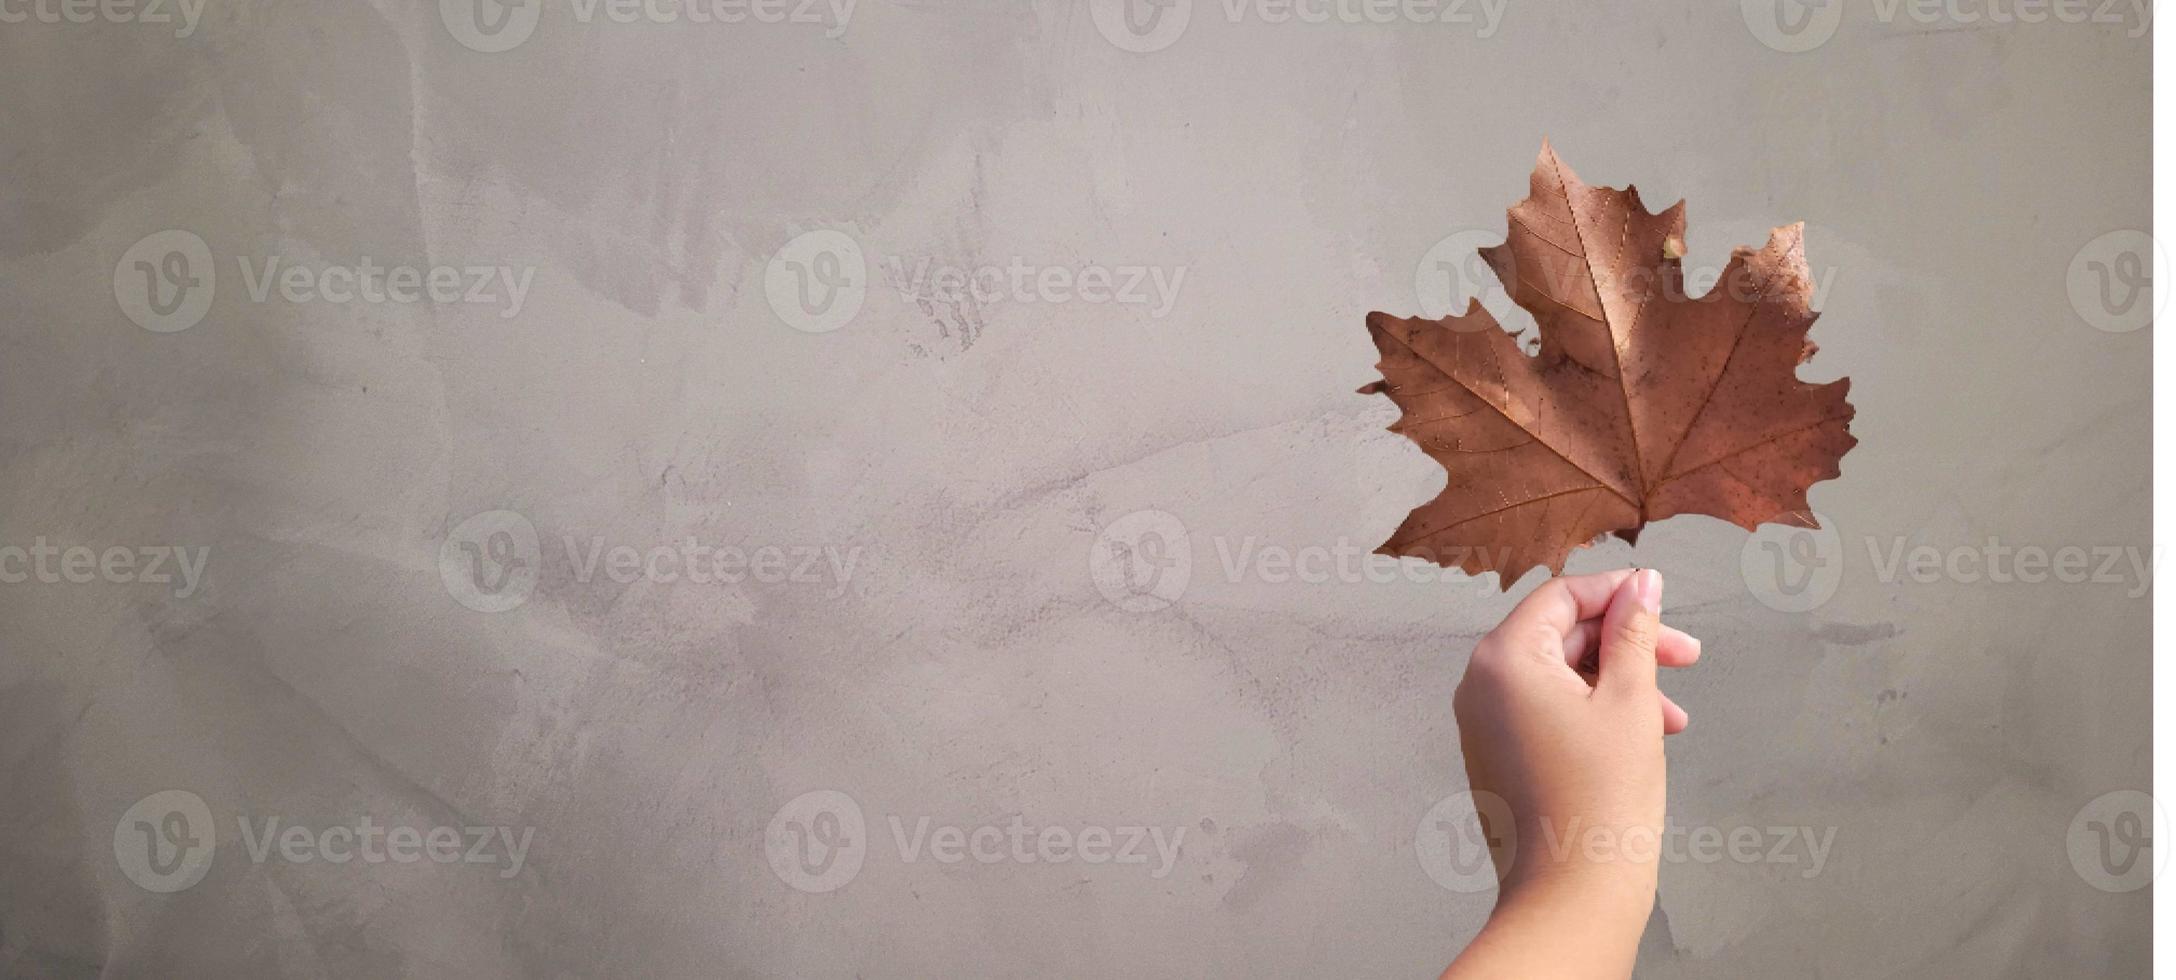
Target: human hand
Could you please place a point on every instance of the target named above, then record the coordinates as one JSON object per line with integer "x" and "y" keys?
{"x": 1575, "y": 755}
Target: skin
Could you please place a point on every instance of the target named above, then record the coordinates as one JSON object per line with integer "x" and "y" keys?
{"x": 1560, "y": 719}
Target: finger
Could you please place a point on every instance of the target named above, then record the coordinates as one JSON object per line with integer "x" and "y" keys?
{"x": 1673, "y": 647}
{"x": 1560, "y": 603}
{"x": 1629, "y": 632}
{"x": 1676, "y": 648}
{"x": 1674, "y": 718}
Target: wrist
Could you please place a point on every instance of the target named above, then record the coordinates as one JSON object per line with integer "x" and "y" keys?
{"x": 1600, "y": 893}
{"x": 1607, "y": 858}
{"x": 1577, "y": 924}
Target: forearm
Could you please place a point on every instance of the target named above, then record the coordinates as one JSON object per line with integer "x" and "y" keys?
{"x": 1562, "y": 928}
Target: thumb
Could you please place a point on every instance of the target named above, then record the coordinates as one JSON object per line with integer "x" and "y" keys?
{"x": 1629, "y": 629}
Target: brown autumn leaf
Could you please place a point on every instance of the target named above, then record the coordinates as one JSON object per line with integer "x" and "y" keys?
{"x": 1641, "y": 403}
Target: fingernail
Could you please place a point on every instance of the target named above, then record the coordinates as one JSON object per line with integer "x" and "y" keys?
{"x": 1648, "y": 587}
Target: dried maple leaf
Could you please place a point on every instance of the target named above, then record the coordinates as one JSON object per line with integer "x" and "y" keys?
{"x": 1641, "y": 402}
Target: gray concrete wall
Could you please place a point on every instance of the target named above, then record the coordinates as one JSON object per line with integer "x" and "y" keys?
{"x": 908, "y": 620}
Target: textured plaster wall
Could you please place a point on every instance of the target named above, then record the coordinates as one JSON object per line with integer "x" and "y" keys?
{"x": 964, "y": 452}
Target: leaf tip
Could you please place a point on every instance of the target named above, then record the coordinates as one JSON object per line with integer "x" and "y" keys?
{"x": 1547, "y": 158}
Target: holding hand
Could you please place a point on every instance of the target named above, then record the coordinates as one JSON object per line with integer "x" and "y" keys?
{"x": 1560, "y": 718}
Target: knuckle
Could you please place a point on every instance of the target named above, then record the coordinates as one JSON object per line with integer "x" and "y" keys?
{"x": 1526, "y": 638}
{"x": 1634, "y": 633}
{"x": 1486, "y": 669}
